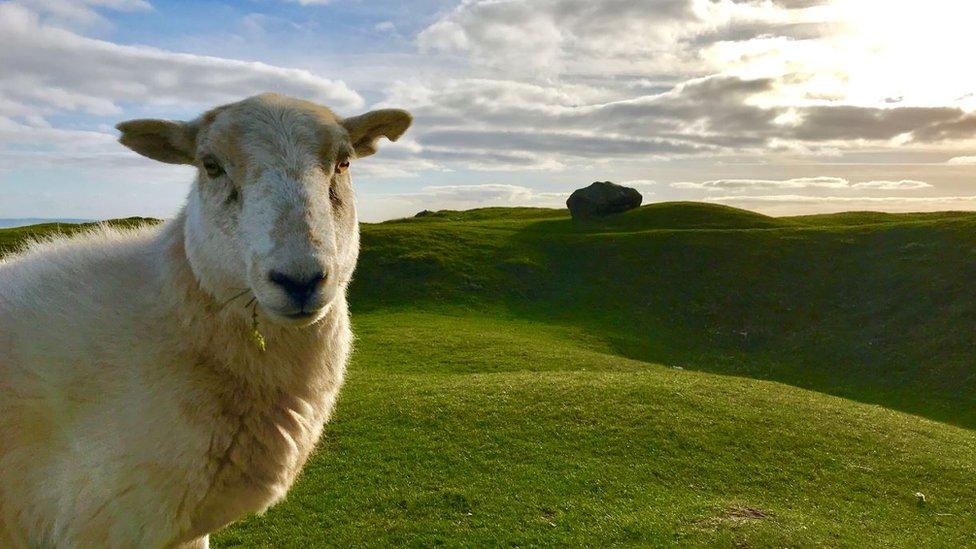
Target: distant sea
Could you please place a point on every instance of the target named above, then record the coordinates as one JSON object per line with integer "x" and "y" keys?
{"x": 7, "y": 223}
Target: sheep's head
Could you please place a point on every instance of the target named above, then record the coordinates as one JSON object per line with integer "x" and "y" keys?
{"x": 273, "y": 209}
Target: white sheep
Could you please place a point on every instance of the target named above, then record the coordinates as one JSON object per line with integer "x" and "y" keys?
{"x": 137, "y": 406}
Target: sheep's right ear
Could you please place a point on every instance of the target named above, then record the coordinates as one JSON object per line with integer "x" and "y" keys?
{"x": 164, "y": 140}
{"x": 366, "y": 129}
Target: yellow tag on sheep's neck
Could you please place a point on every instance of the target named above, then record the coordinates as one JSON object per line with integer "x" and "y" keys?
{"x": 257, "y": 339}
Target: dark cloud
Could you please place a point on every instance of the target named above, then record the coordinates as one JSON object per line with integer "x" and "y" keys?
{"x": 556, "y": 142}
{"x": 960, "y": 127}
{"x": 706, "y": 116}
{"x": 845, "y": 122}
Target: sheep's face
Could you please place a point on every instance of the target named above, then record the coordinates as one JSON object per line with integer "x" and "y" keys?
{"x": 273, "y": 211}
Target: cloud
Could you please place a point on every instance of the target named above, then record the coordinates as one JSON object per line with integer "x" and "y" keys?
{"x": 554, "y": 90}
{"x": 496, "y": 194}
{"x": 573, "y": 123}
{"x": 481, "y": 122}
{"x": 457, "y": 197}
{"x": 689, "y": 77}
{"x": 956, "y": 127}
{"x": 641, "y": 184}
{"x": 52, "y": 69}
{"x": 606, "y": 37}
{"x": 801, "y": 183}
{"x": 751, "y": 184}
{"x": 21, "y": 136}
{"x": 962, "y": 161}
{"x": 577, "y": 144}
{"x": 849, "y": 122}
{"x": 81, "y": 13}
{"x": 901, "y": 185}
{"x": 58, "y": 158}
{"x": 967, "y": 201}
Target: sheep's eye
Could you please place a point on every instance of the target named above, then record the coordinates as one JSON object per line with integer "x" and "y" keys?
{"x": 212, "y": 167}
{"x": 342, "y": 166}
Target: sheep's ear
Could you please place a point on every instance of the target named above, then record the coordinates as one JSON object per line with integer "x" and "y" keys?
{"x": 163, "y": 140}
{"x": 366, "y": 129}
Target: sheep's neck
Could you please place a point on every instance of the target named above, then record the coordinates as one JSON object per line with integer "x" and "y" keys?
{"x": 296, "y": 359}
{"x": 266, "y": 409}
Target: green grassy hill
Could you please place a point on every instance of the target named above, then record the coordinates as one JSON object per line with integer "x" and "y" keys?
{"x": 681, "y": 374}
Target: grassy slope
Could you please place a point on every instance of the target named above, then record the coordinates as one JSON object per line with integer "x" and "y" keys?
{"x": 508, "y": 386}
{"x": 474, "y": 431}
{"x": 881, "y": 312}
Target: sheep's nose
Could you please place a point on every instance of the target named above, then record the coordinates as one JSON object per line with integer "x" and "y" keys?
{"x": 298, "y": 289}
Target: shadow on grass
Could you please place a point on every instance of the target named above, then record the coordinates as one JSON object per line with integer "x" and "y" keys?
{"x": 881, "y": 314}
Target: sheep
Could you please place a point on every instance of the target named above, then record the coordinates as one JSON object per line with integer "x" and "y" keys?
{"x": 158, "y": 384}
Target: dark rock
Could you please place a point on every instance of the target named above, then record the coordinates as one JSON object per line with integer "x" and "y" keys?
{"x": 601, "y": 199}
{"x": 423, "y": 213}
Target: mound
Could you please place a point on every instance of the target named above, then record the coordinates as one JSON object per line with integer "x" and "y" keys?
{"x": 687, "y": 215}
{"x": 482, "y": 214}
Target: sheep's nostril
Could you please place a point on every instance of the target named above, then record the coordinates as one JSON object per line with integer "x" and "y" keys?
{"x": 300, "y": 289}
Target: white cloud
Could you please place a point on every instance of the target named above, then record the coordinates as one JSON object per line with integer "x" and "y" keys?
{"x": 801, "y": 183}
{"x": 52, "y": 69}
{"x": 805, "y": 199}
{"x": 745, "y": 184}
{"x": 794, "y": 204}
{"x": 494, "y": 194}
{"x": 640, "y": 183}
{"x": 18, "y": 136}
{"x": 81, "y": 13}
{"x": 901, "y": 185}
{"x": 457, "y": 197}
{"x": 962, "y": 161}
{"x": 385, "y": 26}
{"x": 609, "y": 37}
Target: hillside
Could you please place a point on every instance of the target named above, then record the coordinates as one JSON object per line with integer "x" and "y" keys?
{"x": 877, "y": 308}
{"x": 683, "y": 373}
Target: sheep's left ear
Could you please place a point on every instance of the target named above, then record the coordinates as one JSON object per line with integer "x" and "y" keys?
{"x": 164, "y": 140}
{"x": 366, "y": 129}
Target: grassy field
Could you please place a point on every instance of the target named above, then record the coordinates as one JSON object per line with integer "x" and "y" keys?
{"x": 681, "y": 374}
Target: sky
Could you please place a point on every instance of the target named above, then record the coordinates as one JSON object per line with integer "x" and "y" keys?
{"x": 780, "y": 106}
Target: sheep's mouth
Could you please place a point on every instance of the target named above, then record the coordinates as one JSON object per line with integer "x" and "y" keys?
{"x": 301, "y": 315}
{"x": 297, "y": 318}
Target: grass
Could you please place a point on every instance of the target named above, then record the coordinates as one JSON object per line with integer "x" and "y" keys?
{"x": 681, "y": 374}
{"x": 12, "y": 239}
{"x": 475, "y": 431}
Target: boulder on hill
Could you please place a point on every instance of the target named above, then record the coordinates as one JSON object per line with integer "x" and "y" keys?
{"x": 601, "y": 199}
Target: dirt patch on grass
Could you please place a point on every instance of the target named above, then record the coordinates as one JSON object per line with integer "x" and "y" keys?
{"x": 733, "y": 516}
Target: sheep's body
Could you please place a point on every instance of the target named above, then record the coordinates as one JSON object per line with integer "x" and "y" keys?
{"x": 152, "y": 421}
{"x": 136, "y": 410}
